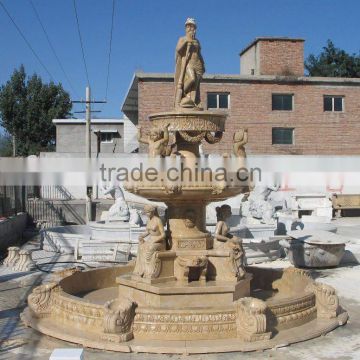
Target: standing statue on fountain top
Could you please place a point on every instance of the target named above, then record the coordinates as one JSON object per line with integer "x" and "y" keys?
{"x": 189, "y": 69}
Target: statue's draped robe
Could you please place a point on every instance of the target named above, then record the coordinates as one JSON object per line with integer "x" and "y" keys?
{"x": 180, "y": 57}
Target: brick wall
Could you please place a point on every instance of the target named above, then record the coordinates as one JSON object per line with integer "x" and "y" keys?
{"x": 284, "y": 57}
{"x": 316, "y": 131}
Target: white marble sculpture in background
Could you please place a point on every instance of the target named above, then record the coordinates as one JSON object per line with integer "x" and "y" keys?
{"x": 256, "y": 207}
{"x": 120, "y": 210}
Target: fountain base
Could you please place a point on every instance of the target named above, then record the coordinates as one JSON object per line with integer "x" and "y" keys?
{"x": 294, "y": 308}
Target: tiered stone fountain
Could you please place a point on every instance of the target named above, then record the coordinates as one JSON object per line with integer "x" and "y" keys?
{"x": 188, "y": 292}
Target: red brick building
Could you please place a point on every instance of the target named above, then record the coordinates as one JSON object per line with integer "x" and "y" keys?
{"x": 285, "y": 112}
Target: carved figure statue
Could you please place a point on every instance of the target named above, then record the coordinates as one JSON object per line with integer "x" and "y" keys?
{"x": 148, "y": 265}
{"x": 189, "y": 68}
{"x": 256, "y": 207}
{"x": 120, "y": 210}
{"x": 228, "y": 241}
{"x": 157, "y": 140}
{"x": 190, "y": 222}
{"x": 239, "y": 141}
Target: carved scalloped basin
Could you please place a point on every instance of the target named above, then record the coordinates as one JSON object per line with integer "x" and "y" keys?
{"x": 206, "y": 193}
{"x": 284, "y": 307}
{"x": 190, "y": 120}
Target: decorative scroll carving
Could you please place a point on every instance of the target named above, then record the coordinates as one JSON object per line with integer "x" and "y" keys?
{"x": 217, "y": 189}
{"x": 192, "y": 243}
{"x": 173, "y": 189}
{"x": 251, "y": 319}
{"x": 208, "y": 324}
{"x": 25, "y": 262}
{"x": 13, "y": 256}
{"x": 118, "y": 319}
{"x": 213, "y": 139}
{"x": 80, "y": 312}
{"x": 327, "y": 302}
{"x": 41, "y": 299}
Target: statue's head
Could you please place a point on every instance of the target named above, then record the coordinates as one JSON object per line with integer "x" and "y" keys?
{"x": 190, "y": 27}
{"x": 155, "y": 135}
{"x": 150, "y": 210}
{"x": 223, "y": 212}
{"x": 190, "y": 218}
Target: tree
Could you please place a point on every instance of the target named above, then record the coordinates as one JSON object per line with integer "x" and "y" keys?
{"x": 5, "y": 145}
{"x": 27, "y": 108}
{"x": 333, "y": 62}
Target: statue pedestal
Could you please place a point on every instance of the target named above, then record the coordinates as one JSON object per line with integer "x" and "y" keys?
{"x": 209, "y": 306}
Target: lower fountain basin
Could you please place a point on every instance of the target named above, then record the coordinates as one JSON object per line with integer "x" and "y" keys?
{"x": 79, "y": 302}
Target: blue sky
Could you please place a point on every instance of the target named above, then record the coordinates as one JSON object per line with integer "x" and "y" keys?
{"x": 146, "y": 32}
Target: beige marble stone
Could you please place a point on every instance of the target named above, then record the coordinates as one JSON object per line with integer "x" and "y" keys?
{"x": 188, "y": 292}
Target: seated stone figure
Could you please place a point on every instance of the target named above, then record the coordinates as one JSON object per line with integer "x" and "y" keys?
{"x": 148, "y": 265}
{"x": 225, "y": 240}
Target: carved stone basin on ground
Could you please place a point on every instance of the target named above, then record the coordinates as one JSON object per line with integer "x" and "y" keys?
{"x": 314, "y": 249}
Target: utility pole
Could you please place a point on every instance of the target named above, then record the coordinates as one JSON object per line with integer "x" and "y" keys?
{"x": 88, "y": 113}
{"x": 88, "y": 123}
{"x": 88, "y": 102}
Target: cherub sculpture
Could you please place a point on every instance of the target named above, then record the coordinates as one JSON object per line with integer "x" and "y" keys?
{"x": 240, "y": 139}
{"x": 157, "y": 140}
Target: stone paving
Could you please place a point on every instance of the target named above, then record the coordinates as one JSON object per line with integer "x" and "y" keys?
{"x": 19, "y": 342}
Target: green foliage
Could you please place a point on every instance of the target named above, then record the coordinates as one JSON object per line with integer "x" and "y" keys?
{"x": 27, "y": 108}
{"x": 5, "y": 145}
{"x": 333, "y": 62}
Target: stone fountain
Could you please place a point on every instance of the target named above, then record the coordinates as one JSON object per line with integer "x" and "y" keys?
{"x": 188, "y": 291}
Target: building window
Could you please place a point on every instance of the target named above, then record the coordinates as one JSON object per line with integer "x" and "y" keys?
{"x": 333, "y": 103}
{"x": 218, "y": 100}
{"x": 282, "y": 101}
{"x": 107, "y": 137}
{"x": 282, "y": 136}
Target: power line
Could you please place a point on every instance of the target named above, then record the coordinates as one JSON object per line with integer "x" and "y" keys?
{"x": 81, "y": 42}
{"x": 110, "y": 47}
{"x": 26, "y": 41}
{"x": 52, "y": 47}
